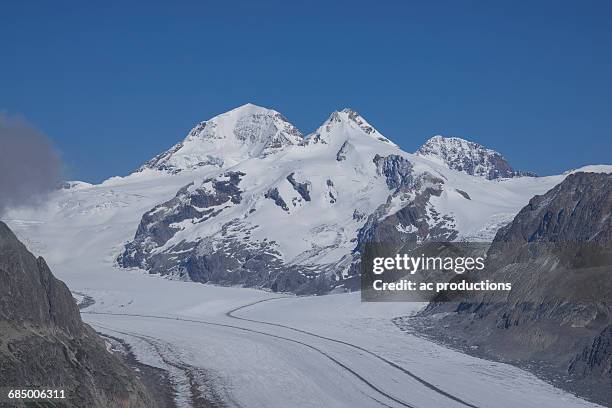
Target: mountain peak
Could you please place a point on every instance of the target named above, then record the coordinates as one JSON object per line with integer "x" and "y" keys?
{"x": 226, "y": 139}
{"x": 349, "y": 111}
{"x": 345, "y": 123}
{"x": 468, "y": 157}
{"x": 250, "y": 109}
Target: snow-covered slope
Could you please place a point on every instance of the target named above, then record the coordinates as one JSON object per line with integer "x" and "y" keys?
{"x": 469, "y": 157}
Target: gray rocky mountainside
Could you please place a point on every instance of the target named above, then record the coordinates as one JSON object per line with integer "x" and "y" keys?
{"x": 469, "y": 157}
{"x": 557, "y": 319}
{"x": 44, "y": 343}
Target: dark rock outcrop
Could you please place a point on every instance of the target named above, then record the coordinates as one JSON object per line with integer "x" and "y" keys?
{"x": 396, "y": 169}
{"x": 464, "y": 194}
{"x": 275, "y": 196}
{"x": 303, "y": 189}
{"x": 344, "y": 151}
{"x": 251, "y": 264}
{"x": 331, "y": 192}
{"x": 44, "y": 343}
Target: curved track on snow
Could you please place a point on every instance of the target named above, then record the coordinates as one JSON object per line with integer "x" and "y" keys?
{"x": 427, "y": 384}
{"x": 309, "y": 346}
{"x": 191, "y": 374}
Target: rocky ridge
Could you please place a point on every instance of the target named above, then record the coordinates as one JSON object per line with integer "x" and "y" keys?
{"x": 469, "y": 157}
{"x": 44, "y": 343}
{"x": 557, "y": 254}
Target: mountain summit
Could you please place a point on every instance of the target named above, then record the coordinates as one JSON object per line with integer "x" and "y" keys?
{"x": 251, "y": 131}
{"x": 468, "y": 157}
{"x": 227, "y": 139}
{"x": 341, "y": 124}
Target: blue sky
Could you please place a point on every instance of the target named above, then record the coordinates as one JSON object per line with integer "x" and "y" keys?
{"x": 113, "y": 84}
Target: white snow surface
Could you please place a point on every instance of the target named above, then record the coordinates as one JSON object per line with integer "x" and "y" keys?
{"x": 80, "y": 231}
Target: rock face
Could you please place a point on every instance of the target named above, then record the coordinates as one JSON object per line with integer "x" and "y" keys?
{"x": 274, "y": 195}
{"x": 303, "y": 189}
{"x": 577, "y": 210}
{"x": 557, "y": 252}
{"x": 44, "y": 343}
{"x": 595, "y": 359}
{"x": 469, "y": 157}
{"x": 416, "y": 220}
{"x": 344, "y": 151}
{"x": 397, "y": 170}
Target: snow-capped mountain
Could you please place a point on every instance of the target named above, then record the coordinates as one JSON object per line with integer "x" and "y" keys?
{"x": 274, "y": 220}
{"x": 469, "y": 157}
{"x": 245, "y": 199}
{"x": 295, "y": 216}
{"x": 351, "y": 121}
{"x": 227, "y": 139}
